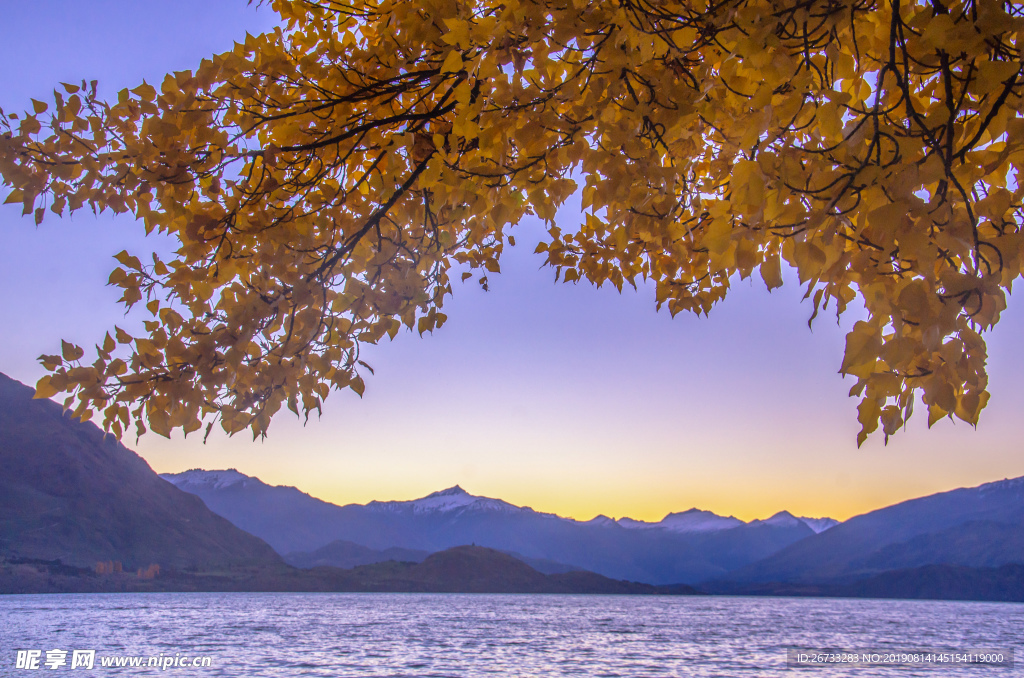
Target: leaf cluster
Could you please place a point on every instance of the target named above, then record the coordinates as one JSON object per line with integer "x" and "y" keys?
{"x": 324, "y": 180}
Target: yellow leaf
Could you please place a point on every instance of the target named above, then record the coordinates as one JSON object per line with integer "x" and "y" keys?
{"x": 357, "y": 385}
{"x": 452, "y": 63}
{"x": 45, "y": 389}
{"x": 747, "y": 185}
{"x": 771, "y": 271}
{"x": 70, "y": 351}
{"x": 862, "y": 347}
{"x": 145, "y": 91}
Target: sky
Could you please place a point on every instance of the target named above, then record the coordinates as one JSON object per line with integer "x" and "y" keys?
{"x": 570, "y": 399}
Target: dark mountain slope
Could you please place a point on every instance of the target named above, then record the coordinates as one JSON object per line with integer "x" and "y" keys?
{"x": 977, "y": 527}
{"x": 475, "y": 569}
{"x": 945, "y": 582}
{"x": 347, "y": 554}
{"x": 288, "y": 519}
{"x": 68, "y": 492}
{"x": 979, "y": 543}
{"x": 463, "y": 569}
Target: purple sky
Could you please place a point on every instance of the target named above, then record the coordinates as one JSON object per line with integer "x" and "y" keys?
{"x": 566, "y": 398}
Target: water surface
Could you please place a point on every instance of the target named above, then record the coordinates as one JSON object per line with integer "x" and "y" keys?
{"x": 368, "y": 634}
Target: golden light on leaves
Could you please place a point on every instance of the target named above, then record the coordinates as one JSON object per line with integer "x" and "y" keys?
{"x": 322, "y": 180}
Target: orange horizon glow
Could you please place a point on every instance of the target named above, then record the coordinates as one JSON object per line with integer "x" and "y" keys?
{"x": 649, "y": 505}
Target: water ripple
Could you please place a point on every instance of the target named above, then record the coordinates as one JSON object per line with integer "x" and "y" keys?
{"x": 271, "y": 635}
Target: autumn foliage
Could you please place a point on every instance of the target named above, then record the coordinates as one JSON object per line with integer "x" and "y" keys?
{"x": 326, "y": 179}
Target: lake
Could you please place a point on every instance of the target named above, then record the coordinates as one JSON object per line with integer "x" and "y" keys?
{"x": 369, "y": 634}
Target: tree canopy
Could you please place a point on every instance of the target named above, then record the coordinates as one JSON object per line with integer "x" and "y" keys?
{"x": 325, "y": 180}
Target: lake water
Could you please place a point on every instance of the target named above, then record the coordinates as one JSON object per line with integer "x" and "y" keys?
{"x": 361, "y": 635}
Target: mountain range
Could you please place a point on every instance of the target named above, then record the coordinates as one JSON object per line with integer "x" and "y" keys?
{"x": 966, "y": 535}
{"x": 79, "y": 512}
{"x": 684, "y": 547}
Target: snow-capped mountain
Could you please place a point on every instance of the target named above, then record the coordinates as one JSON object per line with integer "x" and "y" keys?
{"x": 787, "y": 519}
{"x": 453, "y": 499}
{"x": 780, "y": 519}
{"x": 693, "y": 520}
{"x": 819, "y": 525}
{"x": 696, "y": 520}
{"x": 198, "y": 478}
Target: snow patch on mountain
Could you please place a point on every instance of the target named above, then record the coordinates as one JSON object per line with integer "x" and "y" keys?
{"x": 694, "y": 520}
{"x": 1007, "y": 484}
{"x": 780, "y": 519}
{"x": 197, "y": 478}
{"x": 787, "y": 519}
{"x": 444, "y": 501}
{"x": 636, "y": 524}
{"x": 819, "y": 525}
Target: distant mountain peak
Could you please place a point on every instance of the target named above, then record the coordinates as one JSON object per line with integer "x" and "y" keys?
{"x": 691, "y": 520}
{"x": 819, "y": 525}
{"x": 698, "y": 520}
{"x": 780, "y": 519}
{"x": 201, "y": 477}
{"x": 452, "y": 499}
{"x": 453, "y": 491}
{"x": 787, "y": 519}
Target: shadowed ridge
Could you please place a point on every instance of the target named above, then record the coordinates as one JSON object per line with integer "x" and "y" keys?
{"x": 477, "y": 569}
{"x": 973, "y": 527}
{"x": 69, "y": 492}
{"x": 348, "y": 554}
